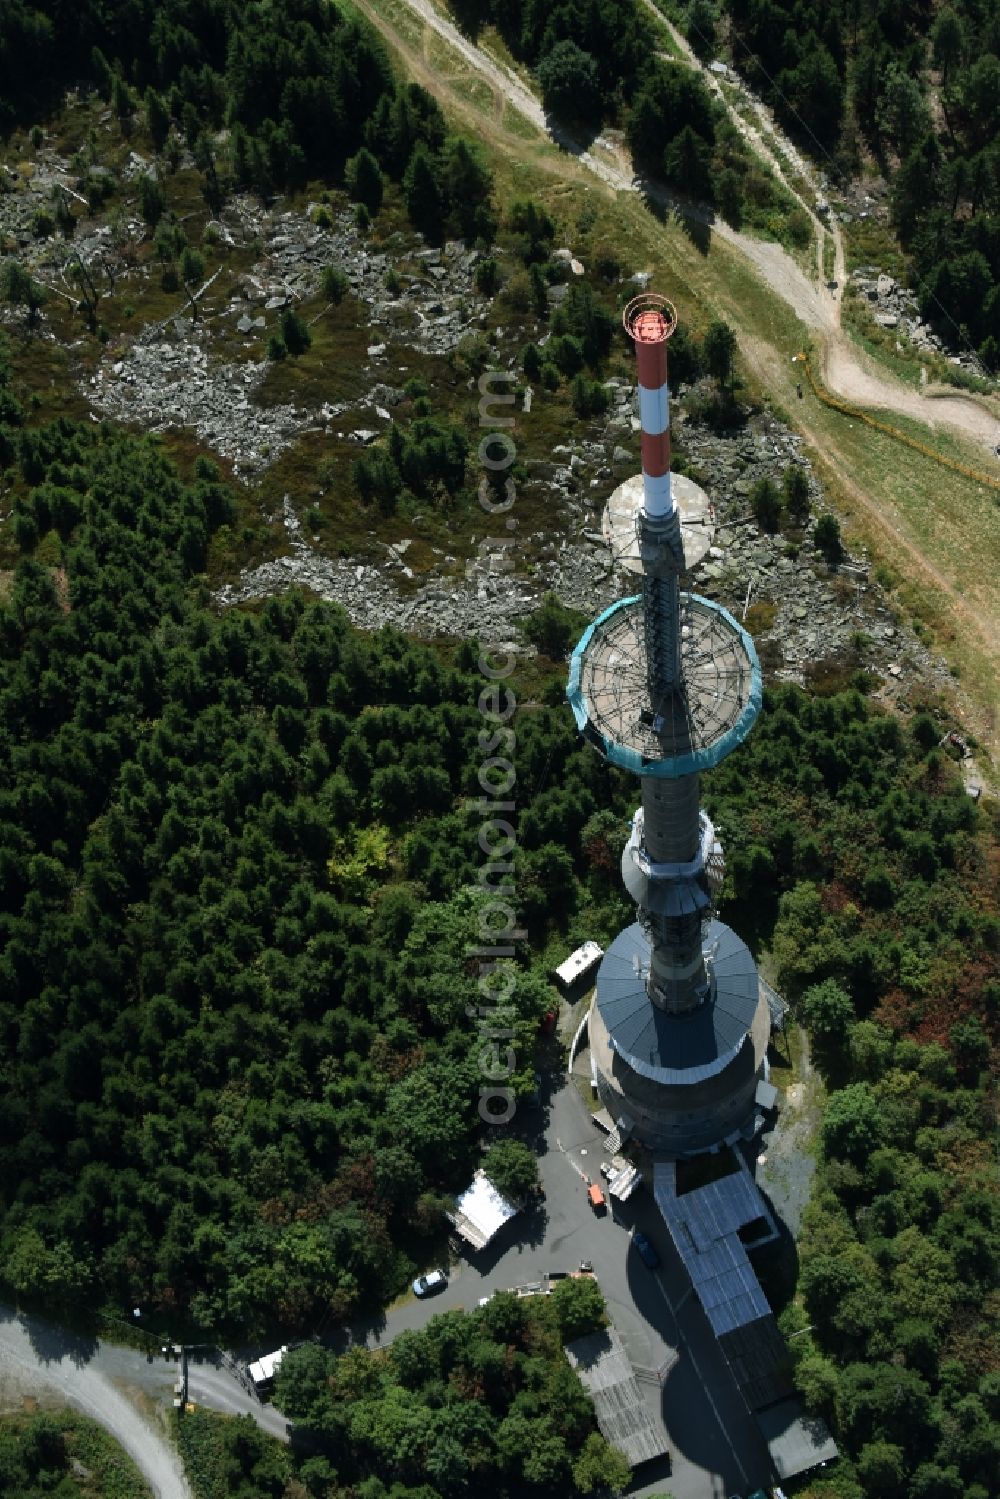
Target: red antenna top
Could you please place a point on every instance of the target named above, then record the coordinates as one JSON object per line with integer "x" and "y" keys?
{"x": 649, "y": 318}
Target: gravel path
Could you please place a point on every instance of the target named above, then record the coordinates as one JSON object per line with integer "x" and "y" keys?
{"x": 786, "y": 1168}
{"x": 844, "y": 371}
{"x": 37, "y": 1359}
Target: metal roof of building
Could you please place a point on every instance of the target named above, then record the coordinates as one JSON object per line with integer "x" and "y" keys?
{"x": 766, "y": 1095}
{"x": 758, "y": 1358}
{"x": 796, "y": 1442}
{"x": 622, "y": 1415}
{"x": 677, "y": 1049}
{"x": 704, "y": 1225}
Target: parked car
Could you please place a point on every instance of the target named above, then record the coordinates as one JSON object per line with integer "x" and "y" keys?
{"x": 430, "y": 1284}
{"x": 647, "y": 1253}
{"x": 596, "y": 1198}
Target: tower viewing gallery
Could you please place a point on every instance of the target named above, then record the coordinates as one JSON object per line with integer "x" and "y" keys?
{"x": 666, "y": 684}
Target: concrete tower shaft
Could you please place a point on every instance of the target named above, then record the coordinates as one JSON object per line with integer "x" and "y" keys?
{"x": 666, "y": 684}
{"x": 670, "y": 823}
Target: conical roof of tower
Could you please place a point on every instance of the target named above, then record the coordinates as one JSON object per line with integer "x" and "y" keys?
{"x": 672, "y": 1048}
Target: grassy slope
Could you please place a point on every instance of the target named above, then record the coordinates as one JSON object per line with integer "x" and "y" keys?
{"x": 939, "y": 532}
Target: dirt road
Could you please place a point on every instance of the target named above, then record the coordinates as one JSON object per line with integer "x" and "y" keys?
{"x": 36, "y": 1359}
{"x": 843, "y": 369}
{"x": 845, "y": 374}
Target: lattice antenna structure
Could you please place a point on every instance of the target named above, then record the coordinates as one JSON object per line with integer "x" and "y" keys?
{"x": 666, "y": 684}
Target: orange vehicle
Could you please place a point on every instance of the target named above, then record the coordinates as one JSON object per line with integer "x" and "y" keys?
{"x": 596, "y": 1197}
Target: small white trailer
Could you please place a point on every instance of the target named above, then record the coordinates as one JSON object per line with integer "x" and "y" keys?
{"x": 263, "y": 1370}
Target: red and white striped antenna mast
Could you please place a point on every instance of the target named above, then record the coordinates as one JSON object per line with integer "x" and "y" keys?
{"x": 649, "y": 321}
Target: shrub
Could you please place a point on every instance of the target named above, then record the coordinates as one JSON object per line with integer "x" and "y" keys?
{"x": 729, "y": 196}
{"x": 795, "y": 490}
{"x": 588, "y": 396}
{"x": 534, "y": 230}
{"x": 152, "y": 200}
{"x": 607, "y": 263}
{"x": 579, "y": 1308}
{"x": 765, "y": 502}
{"x": 276, "y": 347}
{"x": 334, "y": 285}
{"x": 512, "y": 1168}
{"x": 700, "y": 28}
{"x": 828, "y": 542}
{"x": 488, "y": 277}
{"x": 553, "y": 628}
{"x": 799, "y": 228}
{"x": 192, "y": 265}
{"x": 569, "y": 82}
{"x": 567, "y": 353}
{"x": 365, "y": 182}
{"x": 294, "y": 332}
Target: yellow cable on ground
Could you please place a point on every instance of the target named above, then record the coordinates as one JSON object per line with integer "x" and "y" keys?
{"x": 911, "y": 442}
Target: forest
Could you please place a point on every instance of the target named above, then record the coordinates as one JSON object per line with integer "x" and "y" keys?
{"x": 238, "y": 879}
{"x": 598, "y": 61}
{"x": 486, "y": 1397}
{"x": 476, "y": 1399}
{"x": 302, "y": 90}
{"x": 915, "y": 90}
{"x": 66, "y": 1454}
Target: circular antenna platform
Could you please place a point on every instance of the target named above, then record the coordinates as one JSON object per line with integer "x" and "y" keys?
{"x": 620, "y": 524}
{"x": 693, "y": 729}
{"x": 649, "y": 318}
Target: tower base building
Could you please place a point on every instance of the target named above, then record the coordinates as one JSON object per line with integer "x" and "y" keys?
{"x": 678, "y": 1084}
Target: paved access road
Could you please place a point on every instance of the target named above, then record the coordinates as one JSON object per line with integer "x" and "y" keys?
{"x": 113, "y": 1385}
{"x": 38, "y": 1359}
{"x": 716, "y": 1447}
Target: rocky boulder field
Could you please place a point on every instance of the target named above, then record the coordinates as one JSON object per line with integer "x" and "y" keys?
{"x": 187, "y": 372}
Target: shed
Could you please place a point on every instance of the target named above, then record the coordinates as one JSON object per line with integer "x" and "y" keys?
{"x": 623, "y": 1417}
{"x": 481, "y": 1212}
{"x": 796, "y": 1442}
{"x": 579, "y": 965}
